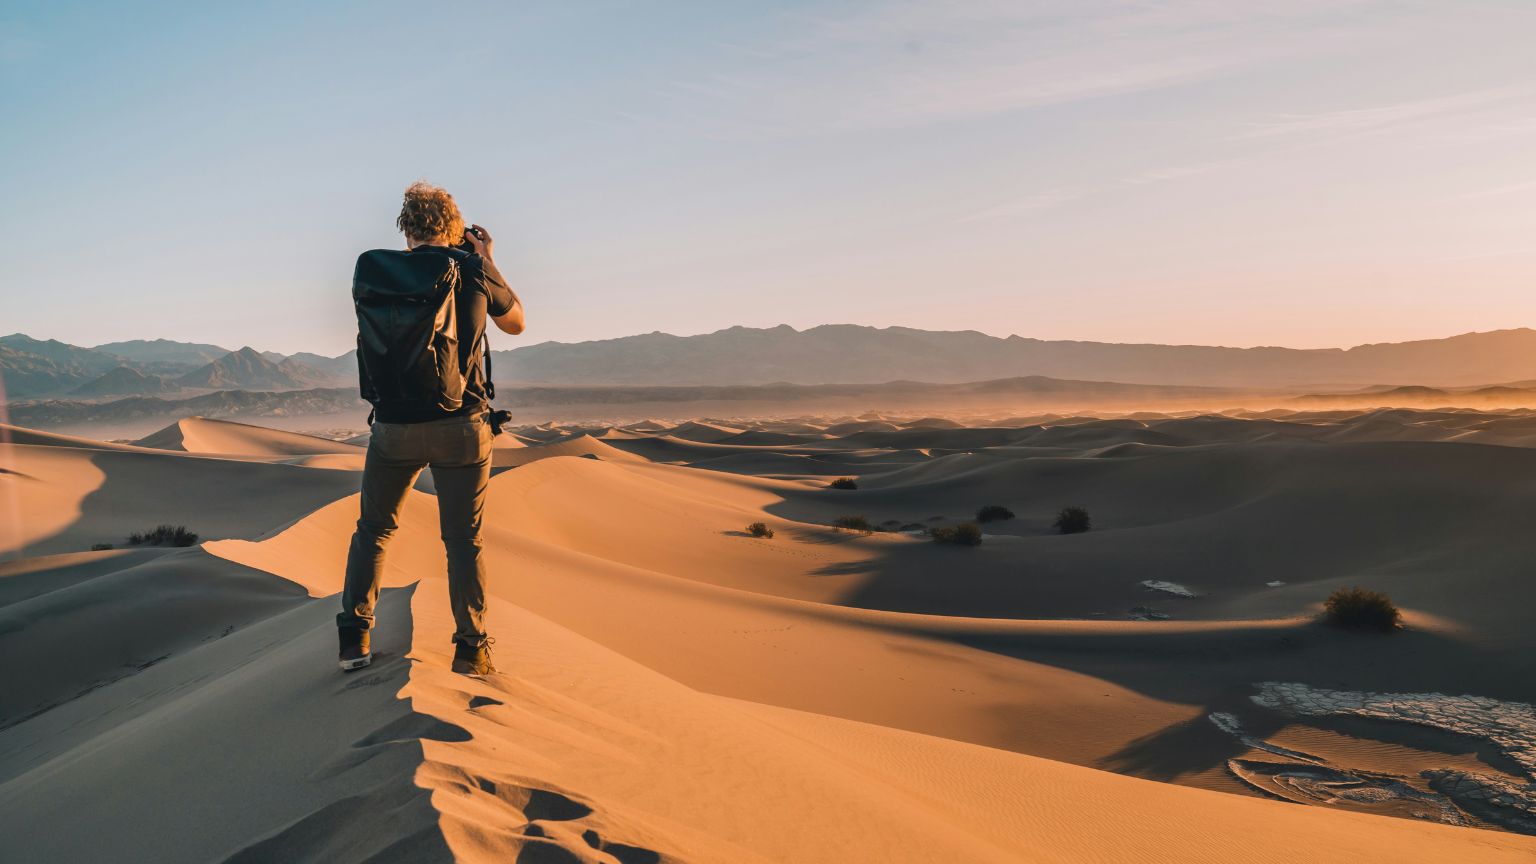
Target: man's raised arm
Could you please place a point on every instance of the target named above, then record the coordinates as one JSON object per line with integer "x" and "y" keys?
{"x": 498, "y": 294}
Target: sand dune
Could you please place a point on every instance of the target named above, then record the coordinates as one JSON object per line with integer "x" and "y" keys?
{"x": 578, "y": 445}
{"x": 707, "y": 433}
{"x": 33, "y": 437}
{"x": 67, "y": 498}
{"x": 675, "y": 690}
{"x": 202, "y": 435}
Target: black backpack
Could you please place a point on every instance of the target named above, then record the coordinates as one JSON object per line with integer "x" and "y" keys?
{"x": 408, "y": 330}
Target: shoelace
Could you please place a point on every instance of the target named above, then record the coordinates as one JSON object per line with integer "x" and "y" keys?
{"x": 486, "y": 647}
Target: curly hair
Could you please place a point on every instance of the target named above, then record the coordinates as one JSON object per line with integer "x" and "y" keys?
{"x": 430, "y": 216}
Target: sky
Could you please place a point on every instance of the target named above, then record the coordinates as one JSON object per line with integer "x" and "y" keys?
{"x": 1226, "y": 172}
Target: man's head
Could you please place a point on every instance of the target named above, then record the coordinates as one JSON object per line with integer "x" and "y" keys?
{"x": 429, "y": 216}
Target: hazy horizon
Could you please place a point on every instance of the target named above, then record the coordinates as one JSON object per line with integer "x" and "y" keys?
{"x": 513, "y": 345}
{"x": 1312, "y": 175}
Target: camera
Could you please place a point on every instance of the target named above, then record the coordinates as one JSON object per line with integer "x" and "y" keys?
{"x": 499, "y": 418}
{"x": 464, "y": 243}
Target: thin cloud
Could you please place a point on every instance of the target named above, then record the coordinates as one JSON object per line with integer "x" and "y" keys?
{"x": 1351, "y": 121}
{"x": 1036, "y": 202}
{"x": 1511, "y": 189}
{"x": 888, "y": 66}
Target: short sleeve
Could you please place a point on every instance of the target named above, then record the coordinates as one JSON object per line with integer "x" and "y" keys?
{"x": 498, "y": 295}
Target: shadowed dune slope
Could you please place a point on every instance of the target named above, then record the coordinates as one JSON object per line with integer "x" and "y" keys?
{"x": 69, "y": 498}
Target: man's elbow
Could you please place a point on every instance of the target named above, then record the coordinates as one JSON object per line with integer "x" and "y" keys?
{"x": 512, "y": 325}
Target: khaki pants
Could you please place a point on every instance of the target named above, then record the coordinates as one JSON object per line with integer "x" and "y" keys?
{"x": 458, "y": 450}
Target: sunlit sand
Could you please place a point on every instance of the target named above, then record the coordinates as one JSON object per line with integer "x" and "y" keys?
{"x": 674, "y": 689}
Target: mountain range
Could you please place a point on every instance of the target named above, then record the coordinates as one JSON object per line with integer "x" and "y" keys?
{"x": 36, "y": 368}
{"x": 829, "y": 354}
{"x": 123, "y": 381}
{"x": 852, "y": 354}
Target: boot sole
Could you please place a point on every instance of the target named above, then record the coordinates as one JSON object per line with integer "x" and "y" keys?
{"x": 349, "y": 665}
{"x": 464, "y": 668}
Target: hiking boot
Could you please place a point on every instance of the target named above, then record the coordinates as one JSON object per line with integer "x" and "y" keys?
{"x": 473, "y": 659}
{"x": 354, "y": 648}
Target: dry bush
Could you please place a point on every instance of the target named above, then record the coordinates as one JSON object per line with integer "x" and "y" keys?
{"x": 1362, "y": 609}
{"x": 1073, "y": 520}
{"x": 993, "y": 513}
{"x": 853, "y": 523}
{"x": 164, "y": 535}
{"x": 964, "y": 534}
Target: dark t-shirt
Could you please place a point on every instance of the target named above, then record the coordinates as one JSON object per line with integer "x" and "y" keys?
{"x": 482, "y": 292}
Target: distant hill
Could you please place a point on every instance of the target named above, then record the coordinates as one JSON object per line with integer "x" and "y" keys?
{"x": 164, "y": 351}
{"x": 23, "y": 374}
{"x": 67, "y": 358}
{"x": 1502, "y": 396}
{"x": 850, "y": 354}
{"x": 227, "y": 404}
{"x": 340, "y": 370}
{"x": 247, "y": 369}
{"x": 1030, "y": 388}
{"x": 124, "y": 381}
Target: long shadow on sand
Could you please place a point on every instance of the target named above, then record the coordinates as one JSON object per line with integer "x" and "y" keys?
{"x": 214, "y": 498}
{"x": 1218, "y": 670}
{"x": 375, "y": 809}
{"x": 1441, "y": 525}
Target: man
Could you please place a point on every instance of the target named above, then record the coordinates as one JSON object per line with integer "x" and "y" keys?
{"x": 421, "y": 335}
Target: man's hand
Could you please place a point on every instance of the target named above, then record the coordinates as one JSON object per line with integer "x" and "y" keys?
{"x": 480, "y": 239}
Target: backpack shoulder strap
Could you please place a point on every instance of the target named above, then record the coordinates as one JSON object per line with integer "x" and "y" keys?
{"x": 459, "y": 256}
{"x": 490, "y": 385}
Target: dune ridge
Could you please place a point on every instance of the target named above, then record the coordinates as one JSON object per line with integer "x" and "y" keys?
{"x": 228, "y": 438}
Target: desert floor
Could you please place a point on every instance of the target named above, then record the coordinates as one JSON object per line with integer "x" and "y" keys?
{"x": 674, "y": 689}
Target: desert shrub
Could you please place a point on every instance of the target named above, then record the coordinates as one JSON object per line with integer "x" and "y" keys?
{"x": 163, "y": 535}
{"x": 853, "y": 523}
{"x": 993, "y": 513}
{"x": 843, "y": 483}
{"x": 1362, "y": 609}
{"x": 1073, "y": 520}
{"x": 758, "y": 529}
{"x": 100, "y": 547}
{"x": 964, "y": 534}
